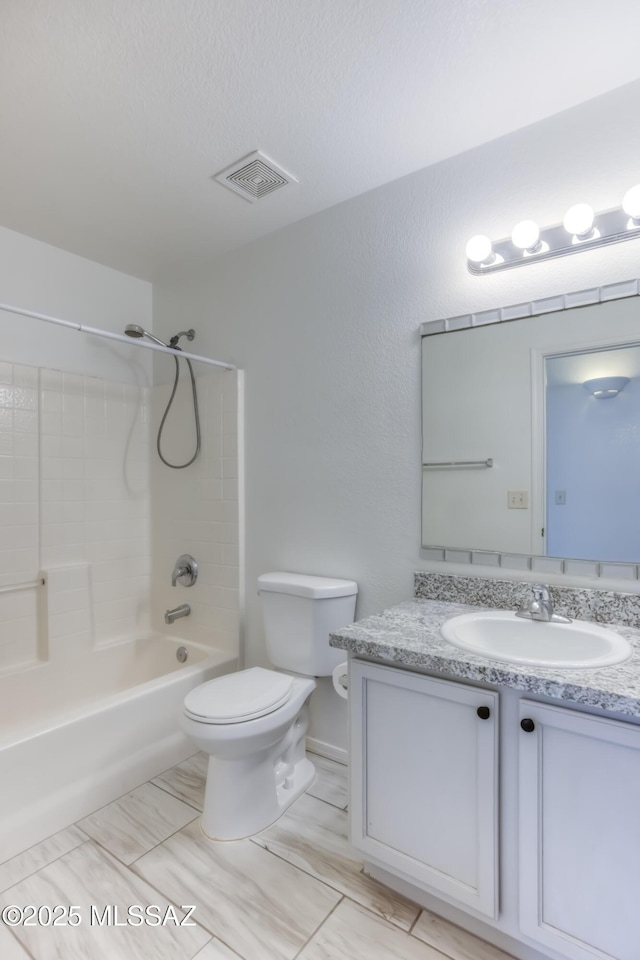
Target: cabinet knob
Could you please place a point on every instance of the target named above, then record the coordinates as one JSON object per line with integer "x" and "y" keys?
{"x": 483, "y": 712}
{"x": 527, "y": 725}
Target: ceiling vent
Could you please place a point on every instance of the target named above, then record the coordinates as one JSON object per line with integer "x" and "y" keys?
{"x": 254, "y": 176}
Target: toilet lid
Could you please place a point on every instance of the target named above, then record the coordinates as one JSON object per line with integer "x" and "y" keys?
{"x": 240, "y": 696}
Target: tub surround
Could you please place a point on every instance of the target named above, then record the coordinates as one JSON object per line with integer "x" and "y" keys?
{"x": 102, "y": 729}
{"x": 81, "y": 492}
{"x": 409, "y": 635}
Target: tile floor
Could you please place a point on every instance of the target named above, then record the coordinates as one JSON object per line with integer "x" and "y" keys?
{"x": 294, "y": 892}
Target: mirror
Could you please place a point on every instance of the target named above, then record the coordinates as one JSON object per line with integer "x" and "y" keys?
{"x": 519, "y": 456}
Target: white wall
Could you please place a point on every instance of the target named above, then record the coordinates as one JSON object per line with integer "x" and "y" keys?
{"x": 36, "y": 276}
{"x": 324, "y": 316}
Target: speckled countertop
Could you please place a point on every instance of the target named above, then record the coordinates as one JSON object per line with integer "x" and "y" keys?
{"x": 409, "y": 634}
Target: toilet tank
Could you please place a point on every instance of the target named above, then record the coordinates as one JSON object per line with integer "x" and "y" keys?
{"x": 299, "y": 612}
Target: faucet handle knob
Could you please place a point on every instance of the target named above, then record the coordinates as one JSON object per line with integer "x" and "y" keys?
{"x": 185, "y": 571}
{"x": 541, "y": 591}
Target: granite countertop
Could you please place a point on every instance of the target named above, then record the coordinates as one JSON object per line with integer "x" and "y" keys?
{"x": 409, "y": 634}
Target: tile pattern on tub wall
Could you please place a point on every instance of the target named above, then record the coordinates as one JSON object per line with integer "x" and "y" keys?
{"x": 331, "y": 784}
{"x": 69, "y": 608}
{"x": 14, "y": 870}
{"x": 259, "y": 905}
{"x": 19, "y": 623}
{"x": 454, "y": 942}
{"x": 135, "y": 823}
{"x": 186, "y": 780}
{"x": 312, "y": 835}
{"x": 95, "y": 489}
{"x": 86, "y": 876}
{"x": 197, "y": 513}
{"x": 18, "y": 474}
{"x": 352, "y": 933}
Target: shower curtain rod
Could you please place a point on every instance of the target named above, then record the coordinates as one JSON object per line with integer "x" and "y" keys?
{"x": 108, "y": 335}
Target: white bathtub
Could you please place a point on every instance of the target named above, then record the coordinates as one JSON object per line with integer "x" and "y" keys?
{"x": 75, "y": 735}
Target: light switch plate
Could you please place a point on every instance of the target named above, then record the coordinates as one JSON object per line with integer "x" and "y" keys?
{"x": 517, "y": 499}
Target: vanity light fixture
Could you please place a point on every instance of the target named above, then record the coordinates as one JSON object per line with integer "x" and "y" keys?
{"x": 605, "y": 388}
{"x": 631, "y": 206}
{"x": 526, "y": 237}
{"x": 480, "y": 249}
{"x": 578, "y": 222}
{"x": 582, "y": 228}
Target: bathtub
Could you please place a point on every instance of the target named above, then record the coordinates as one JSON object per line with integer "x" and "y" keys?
{"x": 76, "y": 734}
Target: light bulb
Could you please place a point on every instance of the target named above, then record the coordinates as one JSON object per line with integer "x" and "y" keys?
{"x": 578, "y": 220}
{"x": 526, "y": 235}
{"x": 480, "y": 249}
{"x": 631, "y": 204}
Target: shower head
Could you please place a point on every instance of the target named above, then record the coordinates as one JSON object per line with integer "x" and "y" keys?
{"x": 136, "y": 331}
{"x": 133, "y": 330}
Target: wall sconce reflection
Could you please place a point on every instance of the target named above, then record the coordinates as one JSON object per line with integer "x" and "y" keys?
{"x": 605, "y": 388}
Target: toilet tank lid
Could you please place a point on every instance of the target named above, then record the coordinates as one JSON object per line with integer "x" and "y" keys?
{"x": 303, "y": 585}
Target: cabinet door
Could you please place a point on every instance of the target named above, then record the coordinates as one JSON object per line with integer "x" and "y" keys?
{"x": 580, "y": 833}
{"x": 423, "y": 800}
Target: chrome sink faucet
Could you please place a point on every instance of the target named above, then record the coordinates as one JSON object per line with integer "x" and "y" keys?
{"x": 541, "y": 607}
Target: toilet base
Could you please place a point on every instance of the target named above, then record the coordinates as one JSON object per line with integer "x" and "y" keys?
{"x": 246, "y": 795}
{"x": 247, "y": 819}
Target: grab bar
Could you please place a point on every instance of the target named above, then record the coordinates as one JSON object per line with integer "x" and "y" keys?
{"x": 462, "y": 463}
{"x": 22, "y": 586}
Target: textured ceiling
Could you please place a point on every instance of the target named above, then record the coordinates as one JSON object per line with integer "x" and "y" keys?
{"x": 115, "y": 114}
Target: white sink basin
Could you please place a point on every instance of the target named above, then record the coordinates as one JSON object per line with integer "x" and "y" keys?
{"x": 500, "y": 635}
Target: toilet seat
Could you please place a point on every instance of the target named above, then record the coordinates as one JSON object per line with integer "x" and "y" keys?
{"x": 238, "y": 697}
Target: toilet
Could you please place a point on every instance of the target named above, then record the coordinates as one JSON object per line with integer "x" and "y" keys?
{"x": 253, "y": 723}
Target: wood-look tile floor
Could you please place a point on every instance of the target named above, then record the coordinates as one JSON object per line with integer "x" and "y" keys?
{"x": 296, "y": 891}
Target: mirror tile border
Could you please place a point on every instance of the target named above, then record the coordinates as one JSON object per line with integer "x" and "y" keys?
{"x": 583, "y": 603}
{"x": 534, "y": 564}
{"x": 566, "y": 301}
{"x": 510, "y": 561}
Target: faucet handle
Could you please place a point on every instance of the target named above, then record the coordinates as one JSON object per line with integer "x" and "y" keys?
{"x": 185, "y": 571}
{"x": 541, "y": 592}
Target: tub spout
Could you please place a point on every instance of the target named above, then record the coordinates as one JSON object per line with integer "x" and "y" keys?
{"x": 182, "y": 611}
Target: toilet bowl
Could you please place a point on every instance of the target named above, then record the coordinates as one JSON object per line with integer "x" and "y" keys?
{"x": 257, "y": 766}
{"x": 253, "y": 723}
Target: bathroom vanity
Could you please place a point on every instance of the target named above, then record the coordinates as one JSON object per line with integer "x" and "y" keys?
{"x": 501, "y": 796}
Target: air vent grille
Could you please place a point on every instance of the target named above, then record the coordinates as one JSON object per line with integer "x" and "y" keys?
{"x": 254, "y": 177}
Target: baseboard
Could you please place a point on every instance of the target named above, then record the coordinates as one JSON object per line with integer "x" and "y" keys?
{"x": 328, "y": 750}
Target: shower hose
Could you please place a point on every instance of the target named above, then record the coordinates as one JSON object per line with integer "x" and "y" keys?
{"x": 180, "y": 466}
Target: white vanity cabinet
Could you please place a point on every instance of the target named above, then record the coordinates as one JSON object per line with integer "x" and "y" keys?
{"x": 424, "y": 764}
{"x": 424, "y": 811}
{"x": 579, "y": 833}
